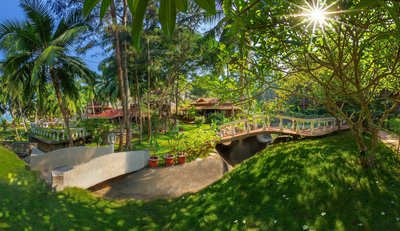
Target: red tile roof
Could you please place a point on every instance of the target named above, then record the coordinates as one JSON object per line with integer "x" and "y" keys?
{"x": 108, "y": 114}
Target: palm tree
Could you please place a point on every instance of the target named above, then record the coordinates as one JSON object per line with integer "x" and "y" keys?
{"x": 40, "y": 52}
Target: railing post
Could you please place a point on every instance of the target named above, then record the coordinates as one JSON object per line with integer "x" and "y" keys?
{"x": 280, "y": 123}
{"x": 312, "y": 126}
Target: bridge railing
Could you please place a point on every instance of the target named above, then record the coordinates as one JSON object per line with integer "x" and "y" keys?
{"x": 59, "y": 135}
{"x": 280, "y": 123}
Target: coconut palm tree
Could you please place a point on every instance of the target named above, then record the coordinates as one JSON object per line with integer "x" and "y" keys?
{"x": 41, "y": 52}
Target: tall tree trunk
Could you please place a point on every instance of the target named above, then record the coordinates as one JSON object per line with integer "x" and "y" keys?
{"x": 93, "y": 112}
{"x": 22, "y": 117}
{"x": 176, "y": 101}
{"x": 120, "y": 74}
{"x": 14, "y": 125}
{"x": 148, "y": 92}
{"x": 138, "y": 103}
{"x": 63, "y": 108}
{"x": 126, "y": 79}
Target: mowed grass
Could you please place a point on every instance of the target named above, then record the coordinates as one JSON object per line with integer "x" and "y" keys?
{"x": 311, "y": 184}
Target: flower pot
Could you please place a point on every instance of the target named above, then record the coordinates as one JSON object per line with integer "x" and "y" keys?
{"x": 153, "y": 162}
{"x": 169, "y": 160}
{"x": 181, "y": 158}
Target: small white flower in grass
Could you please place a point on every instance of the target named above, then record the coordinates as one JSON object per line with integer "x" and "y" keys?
{"x": 392, "y": 202}
{"x": 244, "y": 221}
{"x": 383, "y": 213}
{"x": 397, "y": 218}
{"x": 275, "y": 221}
{"x": 236, "y": 221}
{"x": 287, "y": 198}
{"x": 183, "y": 197}
{"x": 323, "y": 213}
{"x": 305, "y": 227}
{"x": 284, "y": 195}
{"x": 360, "y": 224}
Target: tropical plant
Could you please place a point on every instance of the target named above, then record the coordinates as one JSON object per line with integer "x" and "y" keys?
{"x": 97, "y": 128}
{"x": 198, "y": 143}
{"x": 4, "y": 124}
{"x": 40, "y": 53}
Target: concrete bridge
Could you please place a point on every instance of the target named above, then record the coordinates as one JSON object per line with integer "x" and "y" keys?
{"x": 284, "y": 125}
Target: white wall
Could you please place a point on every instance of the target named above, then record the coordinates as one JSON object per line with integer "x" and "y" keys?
{"x": 65, "y": 157}
{"x": 99, "y": 169}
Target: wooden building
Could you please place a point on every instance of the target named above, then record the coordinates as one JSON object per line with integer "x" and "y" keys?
{"x": 207, "y": 106}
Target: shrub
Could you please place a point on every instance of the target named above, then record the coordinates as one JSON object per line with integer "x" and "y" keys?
{"x": 217, "y": 118}
{"x": 199, "y": 120}
{"x": 96, "y": 128}
{"x": 197, "y": 144}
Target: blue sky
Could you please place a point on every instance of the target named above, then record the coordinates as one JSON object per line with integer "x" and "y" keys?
{"x": 10, "y": 10}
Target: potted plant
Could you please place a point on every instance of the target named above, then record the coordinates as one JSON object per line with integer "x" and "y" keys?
{"x": 181, "y": 158}
{"x": 178, "y": 147}
{"x": 169, "y": 160}
{"x": 153, "y": 160}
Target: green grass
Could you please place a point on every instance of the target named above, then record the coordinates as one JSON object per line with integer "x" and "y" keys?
{"x": 285, "y": 187}
{"x": 393, "y": 125}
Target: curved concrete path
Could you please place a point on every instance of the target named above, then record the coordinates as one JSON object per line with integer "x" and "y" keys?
{"x": 165, "y": 182}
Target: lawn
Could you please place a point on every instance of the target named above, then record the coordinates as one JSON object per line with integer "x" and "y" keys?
{"x": 393, "y": 125}
{"x": 311, "y": 184}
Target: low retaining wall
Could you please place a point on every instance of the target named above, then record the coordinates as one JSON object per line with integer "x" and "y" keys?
{"x": 22, "y": 149}
{"x": 41, "y": 161}
{"x": 99, "y": 169}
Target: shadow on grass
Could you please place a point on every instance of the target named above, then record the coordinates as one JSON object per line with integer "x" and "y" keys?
{"x": 315, "y": 184}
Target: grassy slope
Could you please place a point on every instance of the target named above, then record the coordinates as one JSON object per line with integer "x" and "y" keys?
{"x": 315, "y": 175}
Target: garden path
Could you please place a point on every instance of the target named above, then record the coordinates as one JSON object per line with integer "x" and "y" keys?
{"x": 165, "y": 182}
{"x": 390, "y": 139}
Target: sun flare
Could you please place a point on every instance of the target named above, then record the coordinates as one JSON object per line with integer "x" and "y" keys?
{"x": 317, "y": 15}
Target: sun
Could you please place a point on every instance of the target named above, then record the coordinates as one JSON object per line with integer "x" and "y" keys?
{"x": 318, "y": 16}
{"x": 316, "y": 13}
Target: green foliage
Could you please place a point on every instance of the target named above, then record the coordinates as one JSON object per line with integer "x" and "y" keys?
{"x": 191, "y": 112}
{"x": 199, "y": 120}
{"x": 155, "y": 146}
{"x": 4, "y": 124}
{"x": 198, "y": 143}
{"x": 176, "y": 139}
{"x": 216, "y": 118}
{"x": 167, "y": 13}
{"x": 97, "y": 128}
